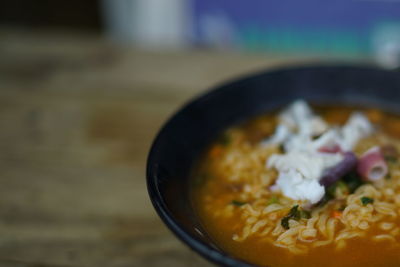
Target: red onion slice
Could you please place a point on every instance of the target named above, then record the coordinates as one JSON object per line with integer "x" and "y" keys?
{"x": 372, "y": 165}
{"x": 348, "y": 163}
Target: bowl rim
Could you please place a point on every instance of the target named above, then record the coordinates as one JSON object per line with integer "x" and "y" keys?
{"x": 207, "y": 251}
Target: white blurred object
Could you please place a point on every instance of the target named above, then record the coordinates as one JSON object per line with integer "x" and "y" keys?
{"x": 386, "y": 45}
{"x": 152, "y": 24}
{"x": 306, "y": 137}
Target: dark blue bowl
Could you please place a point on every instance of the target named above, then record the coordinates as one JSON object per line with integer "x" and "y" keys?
{"x": 187, "y": 133}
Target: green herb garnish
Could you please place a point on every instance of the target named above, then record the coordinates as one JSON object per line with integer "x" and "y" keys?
{"x": 367, "y": 200}
{"x": 347, "y": 185}
{"x": 353, "y": 181}
{"x": 337, "y": 190}
{"x": 285, "y": 222}
{"x": 294, "y": 214}
{"x": 343, "y": 187}
{"x": 237, "y": 203}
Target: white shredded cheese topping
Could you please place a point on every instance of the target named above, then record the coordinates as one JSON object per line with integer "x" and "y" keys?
{"x": 303, "y": 134}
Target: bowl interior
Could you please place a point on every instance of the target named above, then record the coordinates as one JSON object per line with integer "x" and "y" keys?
{"x": 187, "y": 133}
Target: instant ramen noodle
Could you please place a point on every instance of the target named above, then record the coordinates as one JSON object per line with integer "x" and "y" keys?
{"x": 305, "y": 188}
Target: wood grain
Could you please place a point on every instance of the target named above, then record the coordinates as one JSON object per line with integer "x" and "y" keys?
{"x": 77, "y": 117}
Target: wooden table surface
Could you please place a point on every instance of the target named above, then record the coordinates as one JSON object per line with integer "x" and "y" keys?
{"x": 77, "y": 117}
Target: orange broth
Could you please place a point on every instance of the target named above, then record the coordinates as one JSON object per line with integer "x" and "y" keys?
{"x": 359, "y": 251}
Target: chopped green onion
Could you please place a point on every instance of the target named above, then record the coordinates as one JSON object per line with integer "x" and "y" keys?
{"x": 367, "y": 200}
{"x": 285, "y": 222}
{"x": 343, "y": 187}
{"x": 293, "y": 211}
{"x": 294, "y": 214}
{"x": 338, "y": 189}
{"x": 347, "y": 185}
{"x": 353, "y": 181}
{"x": 237, "y": 203}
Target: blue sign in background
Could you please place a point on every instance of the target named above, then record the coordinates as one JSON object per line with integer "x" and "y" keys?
{"x": 340, "y": 26}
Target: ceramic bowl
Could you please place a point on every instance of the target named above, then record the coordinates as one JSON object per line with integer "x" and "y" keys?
{"x": 183, "y": 138}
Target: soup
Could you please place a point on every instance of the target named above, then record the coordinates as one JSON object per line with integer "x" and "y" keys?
{"x": 305, "y": 187}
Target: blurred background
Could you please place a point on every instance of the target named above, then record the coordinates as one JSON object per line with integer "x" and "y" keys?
{"x": 86, "y": 85}
{"x": 357, "y": 28}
